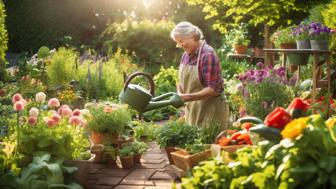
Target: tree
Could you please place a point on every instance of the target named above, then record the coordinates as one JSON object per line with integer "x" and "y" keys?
{"x": 3, "y": 40}
{"x": 230, "y": 13}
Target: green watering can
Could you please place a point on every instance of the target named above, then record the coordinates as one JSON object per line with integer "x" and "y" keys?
{"x": 142, "y": 100}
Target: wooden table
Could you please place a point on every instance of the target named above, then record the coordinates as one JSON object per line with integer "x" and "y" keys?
{"x": 248, "y": 58}
{"x": 317, "y": 66}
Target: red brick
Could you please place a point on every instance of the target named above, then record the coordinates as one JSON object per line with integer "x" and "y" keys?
{"x": 109, "y": 181}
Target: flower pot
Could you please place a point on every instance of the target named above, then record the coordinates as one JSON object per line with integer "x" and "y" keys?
{"x": 298, "y": 58}
{"x": 97, "y": 138}
{"x": 169, "y": 150}
{"x": 98, "y": 151}
{"x": 186, "y": 161}
{"x": 288, "y": 46}
{"x": 240, "y": 49}
{"x": 137, "y": 158}
{"x": 303, "y": 44}
{"x": 127, "y": 162}
{"x": 322, "y": 45}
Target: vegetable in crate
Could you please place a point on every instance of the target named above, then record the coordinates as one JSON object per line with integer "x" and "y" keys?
{"x": 278, "y": 118}
{"x": 297, "y": 108}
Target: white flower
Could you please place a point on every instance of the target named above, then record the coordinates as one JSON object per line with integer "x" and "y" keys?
{"x": 34, "y": 112}
{"x": 40, "y": 97}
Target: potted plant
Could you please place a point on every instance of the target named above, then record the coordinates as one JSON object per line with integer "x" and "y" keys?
{"x": 144, "y": 131}
{"x": 284, "y": 38}
{"x": 98, "y": 151}
{"x": 319, "y": 36}
{"x": 302, "y": 37}
{"x": 139, "y": 148}
{"x": 107, "y": 122}
{"x": 110, "y": 153}
{"x": 126, "y": 154}
{"x": 187, "y": 158}
{"x": 176, "y": 134}
{"x": 239, "y": 41}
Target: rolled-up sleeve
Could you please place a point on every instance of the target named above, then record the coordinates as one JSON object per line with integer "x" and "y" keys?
{"x": 210, "y": 72}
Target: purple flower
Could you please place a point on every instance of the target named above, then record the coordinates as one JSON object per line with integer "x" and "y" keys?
{"x": 260, "y": 65}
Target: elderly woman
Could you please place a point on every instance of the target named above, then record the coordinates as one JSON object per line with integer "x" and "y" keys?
{"x": 200, "y": 82}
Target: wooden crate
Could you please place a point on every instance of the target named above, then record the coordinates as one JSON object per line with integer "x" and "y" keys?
{"x": 186, "y": 161}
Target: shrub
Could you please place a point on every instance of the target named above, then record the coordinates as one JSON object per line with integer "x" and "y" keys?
{"x": 3, "y": 41}
{"x": 61, "y": 69}
{"x": 109, "y": 119}
{"x": 145, "y": 41}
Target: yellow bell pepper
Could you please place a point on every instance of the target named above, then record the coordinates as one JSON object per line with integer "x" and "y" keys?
{"x": 294, "y": 128}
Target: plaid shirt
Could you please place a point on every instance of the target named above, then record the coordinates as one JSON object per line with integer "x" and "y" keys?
{"x": 209, "y": 70}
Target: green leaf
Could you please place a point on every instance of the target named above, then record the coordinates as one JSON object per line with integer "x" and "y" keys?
{"x": 63, "y": 186}
{"x": 55, "y": 174}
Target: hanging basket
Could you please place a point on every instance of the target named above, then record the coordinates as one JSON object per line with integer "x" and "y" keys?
{"x": 322, "y": 45}
{"x": 298, "y": 58}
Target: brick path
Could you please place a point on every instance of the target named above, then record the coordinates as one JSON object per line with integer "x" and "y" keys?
{"x": 150, "y": 174}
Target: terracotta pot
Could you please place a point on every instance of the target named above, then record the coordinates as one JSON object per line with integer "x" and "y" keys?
{"x": 240, "y": 49}
{"x": 112, "y": 161}
{"x": 137, "y": 158}
{"x": 288, "y": 45}
{"x": 98, "y": 151}
{"x": 170, "y": 149}
{"x": 127, "y": 162}
{"x": 97, "y": 138}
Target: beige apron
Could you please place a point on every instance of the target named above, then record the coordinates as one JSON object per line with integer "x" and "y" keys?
{"x": 202, "y": 111}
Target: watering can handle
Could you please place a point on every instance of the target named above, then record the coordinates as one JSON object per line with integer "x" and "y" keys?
{"x": 150, "y": 80}
{"x": 163, "y": 96}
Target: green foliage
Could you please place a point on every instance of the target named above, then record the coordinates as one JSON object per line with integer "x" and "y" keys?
{"x": 315, "y": 13}
{"x": 177, "y": 133}
{"x": 230, "y": 13}
{"x": 101, "y": 80}
{"x": 329, "y": 19}
{"x": 3, "y": 34}
{"x": 139, "y": 147}
{"x": 61, "y": 69}
{"x": 196, "y": 148}
{"x": 43, "y": 52}
{"x": 145, "y": 129}
{"x": 126, "y": 151}
{"x": 209, "y": 132}
{"x": 266, "y": 96}
{"x": 165, "y": 81}
{"x": 109, "y": 122}
{"x": 42, "y": 173}
{"x": 238, "y": 35}
{"x": 283, "y": 36}
{"x": 61, "y": 141}
{"x": 230, "y": 68}
{"x": 133, "y": 36}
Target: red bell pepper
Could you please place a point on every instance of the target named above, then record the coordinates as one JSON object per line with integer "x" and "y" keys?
{"x": 278, "y": 118}
{"x": 246, "y": 125}
{"x": 297, "y": 108}
{"x": 235, "y": 136}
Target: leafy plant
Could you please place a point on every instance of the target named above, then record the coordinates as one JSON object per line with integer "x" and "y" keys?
{"x": 238, "y": 35}
{"x": 209, "y": 132}
{"x": 61, "y": 69}
{"x": 283, "y": 36}
{"x": 177, "y": 133}
{"x": 230, "y": 68}
{"x": 145, "y": 129}
{"x": 126, "y": 151}
{"x": 139, "y": 147}
{"x": 3, "y": 41}
{"x": 165, "y": 81}
{"x": 42, "y": 173}
{"x": 196, "y": 148}
{"x": 109, "y": 121}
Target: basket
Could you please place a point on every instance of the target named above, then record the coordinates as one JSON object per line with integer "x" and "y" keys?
{"x": 186, "y": 161}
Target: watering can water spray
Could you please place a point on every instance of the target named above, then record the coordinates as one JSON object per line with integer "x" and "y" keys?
{"x": 142, "y": 100}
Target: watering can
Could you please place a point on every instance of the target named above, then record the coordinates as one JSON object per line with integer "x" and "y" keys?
{"x": 142, "y": 100}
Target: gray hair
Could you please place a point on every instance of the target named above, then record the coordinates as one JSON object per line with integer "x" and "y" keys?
{"x": 185, "y": 30}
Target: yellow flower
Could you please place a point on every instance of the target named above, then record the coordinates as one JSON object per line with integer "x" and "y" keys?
{"x": 294, "y": 128}
{"x": 8, "y": 148}
{"x": 331, "y": 122}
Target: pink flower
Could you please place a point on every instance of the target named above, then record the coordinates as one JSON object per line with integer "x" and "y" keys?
{"x": 57, "y": 118}
{"x": 50, "y": 112}
{"x": 50, "y": 122}
{"x": 17, "y": 97}
{"x": 24, "y": 78}
{"x": 34, "y": 112}
{"x": 66, "y": 112}
{"x": 76, "y": 112}
{"x": 53, "y": 103}
{"x": 32, "y": 120}
{"x": 40, "y": 97}
{"x": 19, "y": 106}
{"x": 59, "y": 111}
{"x": 75, "y": 120}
